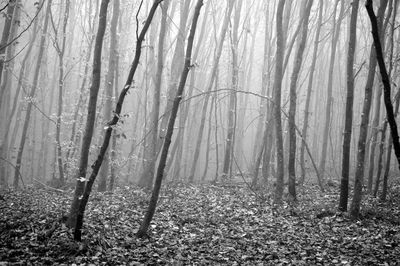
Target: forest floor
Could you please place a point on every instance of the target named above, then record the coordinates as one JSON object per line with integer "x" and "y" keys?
{"x": 199, "y": 224}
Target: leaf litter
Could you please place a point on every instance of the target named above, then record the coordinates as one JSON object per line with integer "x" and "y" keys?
{"x": 199, "y": 224}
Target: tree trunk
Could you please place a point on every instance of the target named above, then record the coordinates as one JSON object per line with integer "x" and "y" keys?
{"x": 209, "y": 88}
{"x": 277, "y": 102}
{"x": 146, "y": 179}
{"x": 32, "y": 96}
{"x": 91, "y": 115}
{"x": 304, "y": 130}
{"x": 232, "y": 96}
{"x": 359, "y": 175}
{"x": 97, "y": 164}
{"x": 109, "y": 89}
{"x": 4, "y": 42}
{"x": 344, "y": 182}
{"x": 385, "y": 79}
{"x": 164, "y": 153}
{"x": 293, "y": 98}
{"x": 329, "y": 100}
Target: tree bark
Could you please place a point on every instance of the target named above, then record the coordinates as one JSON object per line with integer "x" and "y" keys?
{"x": 359, "y": 175}
{"x": 336, "y": 23}
{"x": 277, "y": 102}
{"x": 109, "y": 90}
{"x": 232, "y": 97}
{"x": 164, "y": 153}
{"x": 118, "y": 108}
{"x": 91, "y": 115}
{"x": 209, "y": 88}
{"x": 32, "y": 94}
{"x": 293, "y": 99}
{"x": 304, "y": 130}
{"x": 344, "y": 182}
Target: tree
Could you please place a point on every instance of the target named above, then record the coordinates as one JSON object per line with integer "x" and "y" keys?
{"x": 361, "y": 147}
{"x": 232, "y": 97}
{"x": 336, "y": 23}
{"x": 32, "y": 95}
{"x": 4, "y": 42}
{"x": 210, "y": 83}
{"x": 293, "y": 98}
{"x": 277, "y": 101}
{"x": 385, "y": 80}
{"x": 109, "y": 88}
{"x": 306, "y": 115}
{"x": 150, "y": 151}
{"x": 117, "y": 112}
{"x": 91, "y": 115}
{"x": 344, "y": 182}
{"x": 60, "y": 49}
{"x": 164, "y": 153}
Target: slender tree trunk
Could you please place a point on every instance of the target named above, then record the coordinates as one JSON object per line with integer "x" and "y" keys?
{"x": 232, "y": 97}
{"x": 146, "y": 179}
{"x": 5, "y": 87}
{"x": 109, "y": 89}
{"x": 5, "y": 39}
{"x": 277, "y": 102}
{"x": 304, "y": 130}
{"x": 118, "y": 108}
{"x": 336, "y": 23}
{"x": 160, "y": 170}
{"x": 91, "y": 115}
{"x": 386, "y": 83}
{"x": 359, "y": 175}
{"x": 293, "y": 98}
{"x": 209, "y": 88}
{"x": 344, "y": 183}
{"x": 32, "y": 94}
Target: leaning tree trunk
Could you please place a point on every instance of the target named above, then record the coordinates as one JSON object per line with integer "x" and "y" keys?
{"x": 359, "y": 175}
{"x": 109, "y": 89}
{"x": 117, "y": 112}
{"x": 344, "y": 182}
{"x": 164, "y": 153}
{"x": 385, "y": 80}
{"x": 277, "y": 102}
{"x": 91, "y": 115}
{"x": 293, "y": 99}
{"x": 31, "y": 96}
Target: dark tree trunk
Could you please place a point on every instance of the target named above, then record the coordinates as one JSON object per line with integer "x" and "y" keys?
{"x": 91, "y": 115}
{"x": 277, "y": 102}
{"x": 164, "y": 153}
{"x": 344, "y": 183}
{"x": 359, "y": 175}
{"x": 97, "y": 164}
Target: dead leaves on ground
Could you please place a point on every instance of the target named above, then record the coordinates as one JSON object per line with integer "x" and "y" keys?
{"x": 199, "y": 225}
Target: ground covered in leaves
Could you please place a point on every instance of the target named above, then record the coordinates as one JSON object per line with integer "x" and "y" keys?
{"x": 202, "y": 224}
